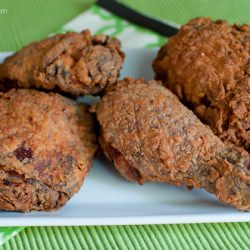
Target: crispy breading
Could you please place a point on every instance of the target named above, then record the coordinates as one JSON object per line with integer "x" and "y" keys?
{"x": 207, "y": 65}
{"x": 75, "y": 63}
{"x": 47, "y": 144}
{"x": 151, "y": 136}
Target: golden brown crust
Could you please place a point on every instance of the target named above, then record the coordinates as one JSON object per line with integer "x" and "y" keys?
{"x": 207, "y": 65}
{"x": 76, "y": 63}
{"x": 47, "y": 144}
{"x": 151, "y": 136}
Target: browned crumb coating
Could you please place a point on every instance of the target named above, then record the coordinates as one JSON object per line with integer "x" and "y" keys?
{"x": 47, "y": 144}
{"x": 207, "y": 65}
{"x": 75, "y": 63}
{"x": 151, "y": 136}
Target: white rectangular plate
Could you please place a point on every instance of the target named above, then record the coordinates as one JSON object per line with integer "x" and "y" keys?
{"x": 108, "y": 199}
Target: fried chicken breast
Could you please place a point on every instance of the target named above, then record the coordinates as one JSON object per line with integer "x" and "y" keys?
{"x": 207, "y": 65}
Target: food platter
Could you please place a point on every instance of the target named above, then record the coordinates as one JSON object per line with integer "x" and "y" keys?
{"x": 108, "y": 199}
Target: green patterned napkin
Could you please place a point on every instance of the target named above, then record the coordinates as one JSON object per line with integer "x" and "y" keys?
{"x": 7, "y": 233}
{"x": 99, "y": 21}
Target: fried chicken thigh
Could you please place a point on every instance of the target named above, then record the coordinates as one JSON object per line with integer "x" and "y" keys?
{"x": 47, "y": 144}
{"x": 75, "y": 63}
{"x": 151, "y": 136}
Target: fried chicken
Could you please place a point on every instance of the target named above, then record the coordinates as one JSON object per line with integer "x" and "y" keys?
{"x": 47, "y": 144}
{"x": 151, "y": 136}
{"x": 207, "y": 65}
{"x": 75, "y": 63}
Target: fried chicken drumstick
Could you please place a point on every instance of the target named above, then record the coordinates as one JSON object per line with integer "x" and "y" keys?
{"x": 207, "y": 65}
{"x": 151, "y": 136}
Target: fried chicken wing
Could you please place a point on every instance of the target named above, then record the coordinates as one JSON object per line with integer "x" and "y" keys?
{"x": 75, "y": 63}
{"x": 207, "y": 65}
{"x": 151, "y": 136}
{"x": 47, "y": 144}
